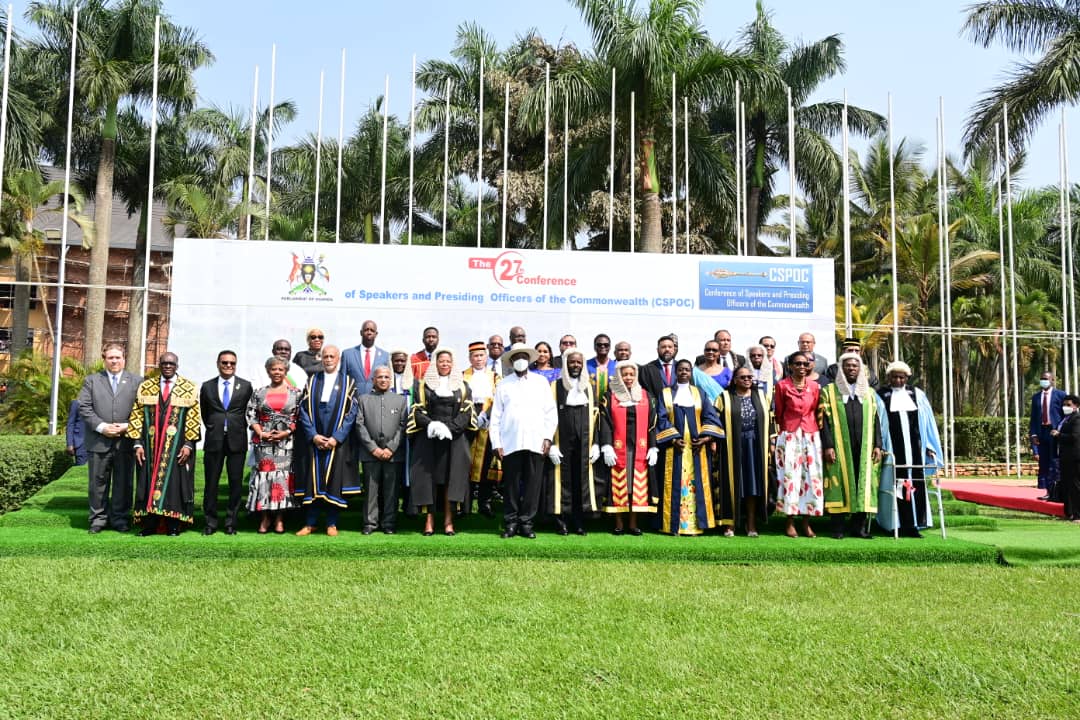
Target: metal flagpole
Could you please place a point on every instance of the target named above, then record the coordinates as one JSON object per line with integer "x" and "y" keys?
{"x": 738, "y": 172}
{"x": 633, "y": 168}
{"x": 950, "y": 418}
{"x": 941, "y": 296}
{"x": 674, "y": 169}
{"x": 686, "y": 168}
{"x": 742, "y": 173}
{"x": 318, "y": 162}
{"x": 506, "y": 159}
{"x": 385, "y": 127}
{"x": 4, "y": 101}
{"x": 58, "y": 342}
{"x": 1069, "y": 246}
{"x": 1066, "y": 370}
{"x": 446, "y": 161}
{"x": 611, "y": 174}
{"x": 547, "y": 139}
{"x": 892, "y": 239}
{"x": 270, "y": 138}
{"x": 1012, "y": 283}
{"x": 251, "y": 150}
{"x": 150, "y": 189}
{"x": 1004, "y": 314}
{"x": 340, "y": 149}
{"x": 412, "y": 145}
{"x": 566, "y": 174}
{"x": 847, "y": 221}
{"x": 480, "y": 158}
{"x": 792, "y": 239}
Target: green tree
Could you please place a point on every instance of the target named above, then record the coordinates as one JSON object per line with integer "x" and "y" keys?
{"x": 115, "y": 64}
{"x": 26, "y": 407}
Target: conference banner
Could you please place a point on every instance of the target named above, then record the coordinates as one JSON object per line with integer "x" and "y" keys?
{"x": 242, "y": 295}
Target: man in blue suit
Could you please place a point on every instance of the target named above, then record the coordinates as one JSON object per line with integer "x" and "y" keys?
{"x": 359, "y": 362}
{"x": 1045, "y": 416}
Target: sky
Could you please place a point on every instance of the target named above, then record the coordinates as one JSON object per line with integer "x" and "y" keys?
{"x": 912, "y": 49}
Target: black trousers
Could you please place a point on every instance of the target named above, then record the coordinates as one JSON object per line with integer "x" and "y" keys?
{"x": 233, "y": 462}
{"x": 110, "y": 489}
{"x": 381, "y": 486}
{"x": 523, "y": 476}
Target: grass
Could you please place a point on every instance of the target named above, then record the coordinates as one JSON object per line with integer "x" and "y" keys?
{"x": 113, "y": 626}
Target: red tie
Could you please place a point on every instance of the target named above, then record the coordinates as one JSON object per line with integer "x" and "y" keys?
{"x": 367, "y": 362}
{"x": 667, "y": 373}
{"x": 1046, "y": 408}
{"x": 165, "y": 391}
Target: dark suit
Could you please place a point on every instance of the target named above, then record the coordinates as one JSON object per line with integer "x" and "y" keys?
{"x": 1040, "y": 430}
{"x": 380, "y": 423}
{"x": 111, "y": 460}
{"x": 352, "y": 364}
{"x": 225, "y": 443}
{"x": 651, "y": 377}
{"x": 76, "y": 433}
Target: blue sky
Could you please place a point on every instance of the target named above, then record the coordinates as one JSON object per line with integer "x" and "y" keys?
{"x": 913, "y": 49}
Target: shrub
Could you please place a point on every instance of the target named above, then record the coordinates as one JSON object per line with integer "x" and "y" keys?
{"x": 26, "y": 407}
{"x": 28, "y": 463}
{"x": 979, "y": 437}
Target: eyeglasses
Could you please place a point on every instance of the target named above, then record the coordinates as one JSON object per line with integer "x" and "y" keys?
{"x": 600, "y": 345}
{"x": 315, "y": 337}
{"x": 282, "y": 347}
{"x": 712, "y": 349}
{"x": 744, "y": 377}
{"x": 801, "y": 364}
{"x": 768, "y": 347}
{"x": 227, "y": 363}
{"x": 567, "y": 343}
{"x": 490, "y": 345}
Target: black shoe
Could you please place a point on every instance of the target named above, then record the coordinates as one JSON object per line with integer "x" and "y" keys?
{"x": 173, "y": 533}
{"x": 1043, "y": 497}
{"x": 527, "y": 532}
{"x": 388, "y": 531}
{"x": 617, "y": 531}
{"x": 560, "y": 527}
{"x": 210, "y": 531}
{"x": 122, "y": 529}
{"x": 508, "y": 533}
{"x": 838, "y": 535}
{"x": 635, "y": 531}
{"x": 863, "y": 534}
{"x": 581, "y": 531}
{"x": 148, "y": 531}
{"x": 449, "y": 533}
{"x": 429, "y": 533}
{"x": 230, "y": 531}
{"x": 910, "y": 533}
{"x": 486, "y": 511}
{"x": 95, "y": 530}
{"x": 368, "y": 531}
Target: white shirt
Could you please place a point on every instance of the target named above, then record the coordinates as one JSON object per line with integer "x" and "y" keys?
{"x": 523, "y": 414}
{"x": 482, "y": 384}
{"x": 329, "y": 380}
{"x": 683, "y": 397}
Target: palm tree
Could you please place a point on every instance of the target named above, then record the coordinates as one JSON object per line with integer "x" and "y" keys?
{"x": 802, "y": 68}
{"x": 26, "y": 198}
{"x": 204, "y": 213}
{"x": 1048, "y": 29}
{"x": 646, "y": 47}
{"x": 26, "y": 407}
{"x": 115, "y": 64}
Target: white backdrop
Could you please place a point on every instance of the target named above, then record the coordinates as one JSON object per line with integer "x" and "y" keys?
{"x": 242, "y": 295}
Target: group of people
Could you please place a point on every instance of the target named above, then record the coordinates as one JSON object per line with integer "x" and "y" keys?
{"x": 671, "y": 445}
{"x": 1054, "y": 430}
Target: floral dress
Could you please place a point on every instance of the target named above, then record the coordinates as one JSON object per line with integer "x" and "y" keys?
{"x": 798, "y": 450}
{"x": 271, "y": 482}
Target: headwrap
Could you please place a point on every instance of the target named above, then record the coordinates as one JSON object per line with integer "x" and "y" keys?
{"x": 583, "y": 378}
{"x": 626, "y": 395}
{"x": 433, "y": 380}
{"x": 862, "y": 384}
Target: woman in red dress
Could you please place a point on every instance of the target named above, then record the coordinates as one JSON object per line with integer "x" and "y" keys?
{"x": 272, "y": 414}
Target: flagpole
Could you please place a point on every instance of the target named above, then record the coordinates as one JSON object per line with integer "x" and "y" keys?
{"x": 58, "y": 342}
{"x": 318, "y": 162}
{"x": 738, "y": 171}
{"x": 4, "y": 101}
{"x": 742, "y": 174}
{"x": 251, "y": 151}
{"x": 847, "y": 221}
{"x": 150, "y": 188}
{"x": 686, "y": 168}
{"x": 385, "y": 127}
{"x": 270, "y": 138}
{"x": 446, "y": 161}
{"x": 611, "y": 174}
{"x": 1004, "y": 313}
{"x": 1069, "y": 245}
{"x": 950, "y": 417}
{"x": 892, "y": 239}
{"x": 566, "y": 174}
{"x": 480, "y": 158}
{"x": 633, "y": 167}
{"x": 1066, "y": 370}
{"x": 792, "y": 239}
{"x": 340, "y": 149}
{"x": 412, "y": 146}
{"x": 674, "y": 168}
{"x": 547, "y": 139}
{"x": 1012, "y": 284}
{"x": 506, "y": 159}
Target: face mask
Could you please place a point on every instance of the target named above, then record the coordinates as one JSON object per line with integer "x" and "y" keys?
{"x": 1044, "y": 384}
{"x": 1068, "y": 409}
{"x": 521, "y": 365}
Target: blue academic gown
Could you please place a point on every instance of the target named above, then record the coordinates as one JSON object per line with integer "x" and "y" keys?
{"x": 931, "y": 442}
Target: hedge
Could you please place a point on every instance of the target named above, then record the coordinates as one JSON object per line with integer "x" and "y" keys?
{"x": 979, "y": 437}
{"x": 27, "y": 464}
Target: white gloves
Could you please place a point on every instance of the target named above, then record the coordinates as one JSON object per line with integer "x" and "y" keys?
{"x": 609, "y": 455}
{"x": 555, "y": 455}
{"x": 438, "y": 431}
{"x": 482, "y": 421}
{"x": 594, "y": 453}
{"x": 651, "y": 456}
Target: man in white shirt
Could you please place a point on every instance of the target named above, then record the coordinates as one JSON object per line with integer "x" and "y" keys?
{"x": 495, "y": 351}
{"x": 523, "y": 422}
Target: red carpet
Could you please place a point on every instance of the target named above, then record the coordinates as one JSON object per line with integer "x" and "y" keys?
{"x": 1004, "y": 496}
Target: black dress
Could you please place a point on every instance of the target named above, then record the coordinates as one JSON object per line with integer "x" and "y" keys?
{"x": 439, "y": 463}
{"x": 1068, "y": 444}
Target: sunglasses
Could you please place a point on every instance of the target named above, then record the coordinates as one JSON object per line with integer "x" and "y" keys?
{"x": 744, "y": 377}
{"x": 801, "y": 364}
{"x": 600, "y": 345}
{"x": 567, "y": 343}
{"x": 712, "y": 349}
{"x": 315, "y": 337}
{"x": 227, "y": 363}
{"x": 768, "y": 347}
{"x": 281, "y": 347}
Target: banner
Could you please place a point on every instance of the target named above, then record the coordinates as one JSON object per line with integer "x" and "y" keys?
{"x": 242, "y": 295}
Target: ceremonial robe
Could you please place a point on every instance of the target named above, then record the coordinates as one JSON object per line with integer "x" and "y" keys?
{"x": 630, "y": 428}
{"x": 686, "y": 491}
{"x": 439, "y": 463}
{"x": 331, "y": 474}
{"x": 912, "y": 439}
{"x": 572, "y": 484}
{"x": 853, "y": 430}
{"x": 742, "y": 458}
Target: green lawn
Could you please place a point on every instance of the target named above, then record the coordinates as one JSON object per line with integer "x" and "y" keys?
{"x": 114, "y": 626}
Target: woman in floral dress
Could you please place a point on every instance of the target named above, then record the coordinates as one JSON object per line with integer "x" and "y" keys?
{"x": 798, "y": 446}
{"x": 272, "y": 414}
